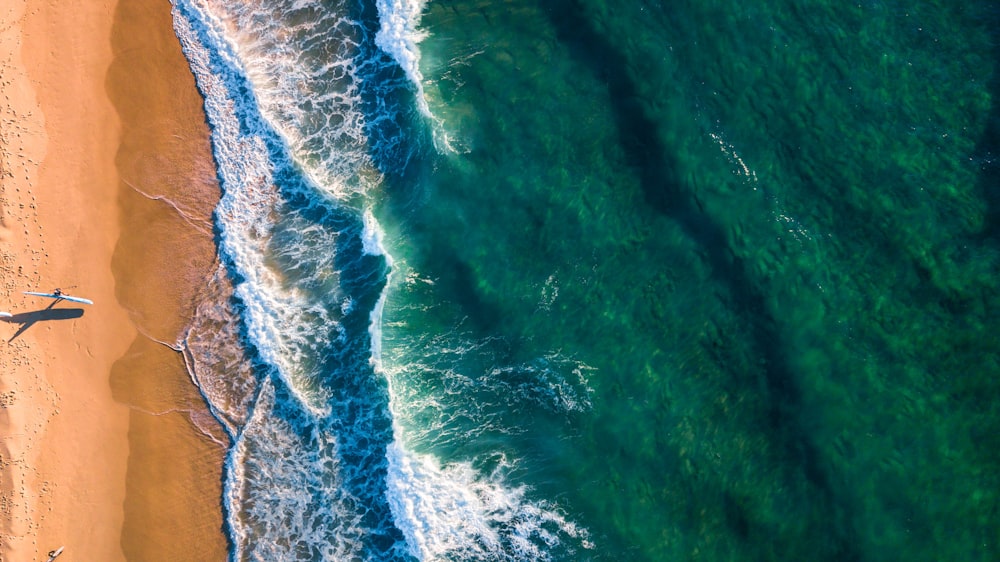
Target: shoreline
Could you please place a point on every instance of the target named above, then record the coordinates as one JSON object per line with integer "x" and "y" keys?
{"x": 168, "y": 190}
{"x": 84, "y": 450}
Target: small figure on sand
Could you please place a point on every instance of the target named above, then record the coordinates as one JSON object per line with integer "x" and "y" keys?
{"x": 54, "y": 553}
{"x": 59, "y": 295}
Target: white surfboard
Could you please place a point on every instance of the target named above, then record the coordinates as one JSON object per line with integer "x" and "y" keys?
{"x": 54, "y": 553}
{"x": 60, "y": 296}
{"x": 5, "y": 314}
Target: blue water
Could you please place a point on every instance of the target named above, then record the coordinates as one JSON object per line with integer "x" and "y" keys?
{"x": 569, "y": 280}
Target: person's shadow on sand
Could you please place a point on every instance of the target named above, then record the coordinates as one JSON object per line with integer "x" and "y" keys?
{"x": 26, "y": 319}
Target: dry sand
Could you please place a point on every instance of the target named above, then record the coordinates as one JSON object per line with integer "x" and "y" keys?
{"x": 106, "y": 183}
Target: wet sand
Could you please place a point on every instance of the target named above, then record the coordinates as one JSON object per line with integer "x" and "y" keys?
{"x": 106, "y": 185}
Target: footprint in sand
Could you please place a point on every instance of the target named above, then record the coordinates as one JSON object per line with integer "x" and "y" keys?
{"x": 6, "y": 234}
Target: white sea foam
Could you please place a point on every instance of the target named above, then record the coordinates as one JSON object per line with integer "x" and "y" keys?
{"x": 473, "y": 375}
{"x": 789, "y": 224}
{"x": 299, "y": 59}
{"x": 550, "y": 292}
{"x": 372, "y": 237}
{"x": 285, "y": 483}
{"x": 454, "y": 513}
{"x": 279, "y": 319}
{"x": 290, "y": 489}
{"x": 731, "y": 153}
{"x": 212, "y": 346}
{"x": 399, "y": 35}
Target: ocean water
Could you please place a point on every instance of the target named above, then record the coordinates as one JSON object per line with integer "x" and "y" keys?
{"x": 577, "y": 280}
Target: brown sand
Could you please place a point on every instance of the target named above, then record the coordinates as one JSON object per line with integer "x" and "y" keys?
{"x": 106, "y": 183}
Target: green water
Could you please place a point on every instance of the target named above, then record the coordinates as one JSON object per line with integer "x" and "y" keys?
{"x": 755, "y": 243}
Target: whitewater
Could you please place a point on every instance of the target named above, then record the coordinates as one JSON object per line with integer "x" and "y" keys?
{"x": 308, "y": 110}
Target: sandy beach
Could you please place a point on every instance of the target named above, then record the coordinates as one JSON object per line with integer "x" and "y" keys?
{"x": 106, "y": 186}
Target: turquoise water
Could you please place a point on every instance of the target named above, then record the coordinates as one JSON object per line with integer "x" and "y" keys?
{"x": 574, "y": 280}
{"x": 720, "y": 277}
